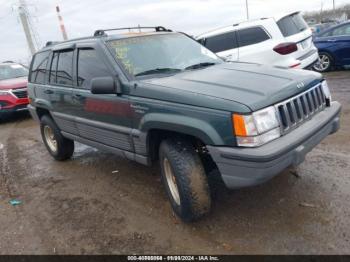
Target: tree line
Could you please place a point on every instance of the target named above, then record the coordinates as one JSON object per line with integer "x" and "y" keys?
{"x": 328, "y": 14}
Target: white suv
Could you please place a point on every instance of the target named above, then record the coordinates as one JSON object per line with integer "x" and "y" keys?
{"x": 280, "y": 41}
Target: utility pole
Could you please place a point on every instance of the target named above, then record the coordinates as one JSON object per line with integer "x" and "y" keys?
{"x": 60, "y": 20}
{"x": 23, "y": 15}
{"x": 246, "y": 5}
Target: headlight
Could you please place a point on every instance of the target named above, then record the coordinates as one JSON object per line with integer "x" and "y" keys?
{"x": 326, "y": 92}
{"x": 4, "y": 92}
{"x": 265, "y": 119}
{"x": 256, "y": 129}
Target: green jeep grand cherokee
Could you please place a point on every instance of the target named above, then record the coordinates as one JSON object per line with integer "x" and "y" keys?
{"x": 161, "y": 97}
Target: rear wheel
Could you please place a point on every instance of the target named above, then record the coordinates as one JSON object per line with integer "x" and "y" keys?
{"x": 58, "y": 146}
{"x": 324, "y": 64}
{"x": 185, "y": 179}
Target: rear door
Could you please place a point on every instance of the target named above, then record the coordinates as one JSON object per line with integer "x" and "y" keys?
{"x": 102, "y": 118}
{"x": 224, "y": 45}
{"x": 59, "y": 87}
{"x": 254, "y": 45}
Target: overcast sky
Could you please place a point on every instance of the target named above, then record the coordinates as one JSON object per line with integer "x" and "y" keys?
{"x": 81, "y": 18}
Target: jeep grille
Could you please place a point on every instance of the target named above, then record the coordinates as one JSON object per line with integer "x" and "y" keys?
{"x": 298, "y": 109}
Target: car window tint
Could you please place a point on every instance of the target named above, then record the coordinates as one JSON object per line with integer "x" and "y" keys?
{"x": 342, "y": 30}
{"x": 292, "y": 24}
{"x": 65, "y": 68}
{"x": 250, "y": 36}
{"x": 329, "y": 33}
{"x": 221, "y": 42}
{"x": 38, "y": 70}
{"x": 90, "y": 65}
{"x": 53, "y": 68}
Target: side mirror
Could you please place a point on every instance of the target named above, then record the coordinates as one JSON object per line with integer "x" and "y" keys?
{"x": 105, "y": 85}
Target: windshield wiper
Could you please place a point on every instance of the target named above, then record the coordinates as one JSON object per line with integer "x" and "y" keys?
{"x": 200, "y": 65}
{"x": 158, "y": 70}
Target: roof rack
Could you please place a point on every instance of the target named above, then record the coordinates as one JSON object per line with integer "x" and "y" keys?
{"x": 51, "y": 43}
{"x": 102, "y": 32}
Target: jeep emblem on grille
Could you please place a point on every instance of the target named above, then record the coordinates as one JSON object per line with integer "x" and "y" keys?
{"x": 300, "y": 85}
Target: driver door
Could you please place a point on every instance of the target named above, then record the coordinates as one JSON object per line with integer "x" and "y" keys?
{"x": 102, "y": 118}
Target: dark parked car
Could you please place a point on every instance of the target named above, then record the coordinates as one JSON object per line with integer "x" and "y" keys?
{"x": 162, "y": 98}
{"x": 318, "y": 28}
{"x": 13, "y": 88}
{"x": 333, "y": 47}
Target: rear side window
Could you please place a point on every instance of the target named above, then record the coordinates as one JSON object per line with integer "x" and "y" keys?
{"x": 292, "y": 24}
{"x": 61, "y": 72}
{"x": 221, "y": 42}
{"x": 251, "y": 36}
{"x": 90, "y": 65}
{"x": 38, "y": 70}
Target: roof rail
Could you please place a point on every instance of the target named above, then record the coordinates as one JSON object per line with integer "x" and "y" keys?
{"x": 102, "y": 32}
{"x": 51, "y": 43}
{"x": 8, "y": 61}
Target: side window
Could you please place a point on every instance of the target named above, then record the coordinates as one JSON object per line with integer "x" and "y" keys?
{"x": 65, "y": 68}
{"x": 251, "y": 36}
{"x": 53, "y": 70}
{"x": 329, "y": 33}
{"x": 38, "y": 70}
{"x": 222, "y": 42}
{"x": 342, "y": 30}
{"x": 61, "y": 71}
{"x": 90, "y": 65}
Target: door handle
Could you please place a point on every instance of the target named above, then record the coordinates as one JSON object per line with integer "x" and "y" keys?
{"x": 48, "y": 91}
{"x": 331, "y": 40}
{"x": 78, "y": 97}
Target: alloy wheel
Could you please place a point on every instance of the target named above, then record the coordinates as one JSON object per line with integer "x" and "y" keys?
{"x": 50, "y": 138}
{"x": 171, "y": 181}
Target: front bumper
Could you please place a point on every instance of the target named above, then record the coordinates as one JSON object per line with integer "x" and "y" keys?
{"x": 10, "y": 103}
{"x": 242, "y": 167}
{"x": 13, "y": 109}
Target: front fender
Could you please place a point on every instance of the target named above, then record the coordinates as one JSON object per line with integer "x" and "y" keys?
{"x": 182, "y": 124}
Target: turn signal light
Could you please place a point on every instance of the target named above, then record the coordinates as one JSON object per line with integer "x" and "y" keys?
{"x": 239, "y": 125}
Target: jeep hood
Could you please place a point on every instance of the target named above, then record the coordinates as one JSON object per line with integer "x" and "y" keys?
{"x": 256, "y": 86}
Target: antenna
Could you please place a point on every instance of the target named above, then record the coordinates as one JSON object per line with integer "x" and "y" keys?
{"x": 60, "y": 20}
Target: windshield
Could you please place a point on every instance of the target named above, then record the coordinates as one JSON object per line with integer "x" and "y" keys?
{"x": 12, "y": 71}
{"x": 161, "y": 53}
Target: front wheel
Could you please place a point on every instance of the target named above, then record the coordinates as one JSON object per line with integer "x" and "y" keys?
{"x": 184, "y": 178}
{"x": 324, "y": 64}
{"x": 58, "y": 146}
